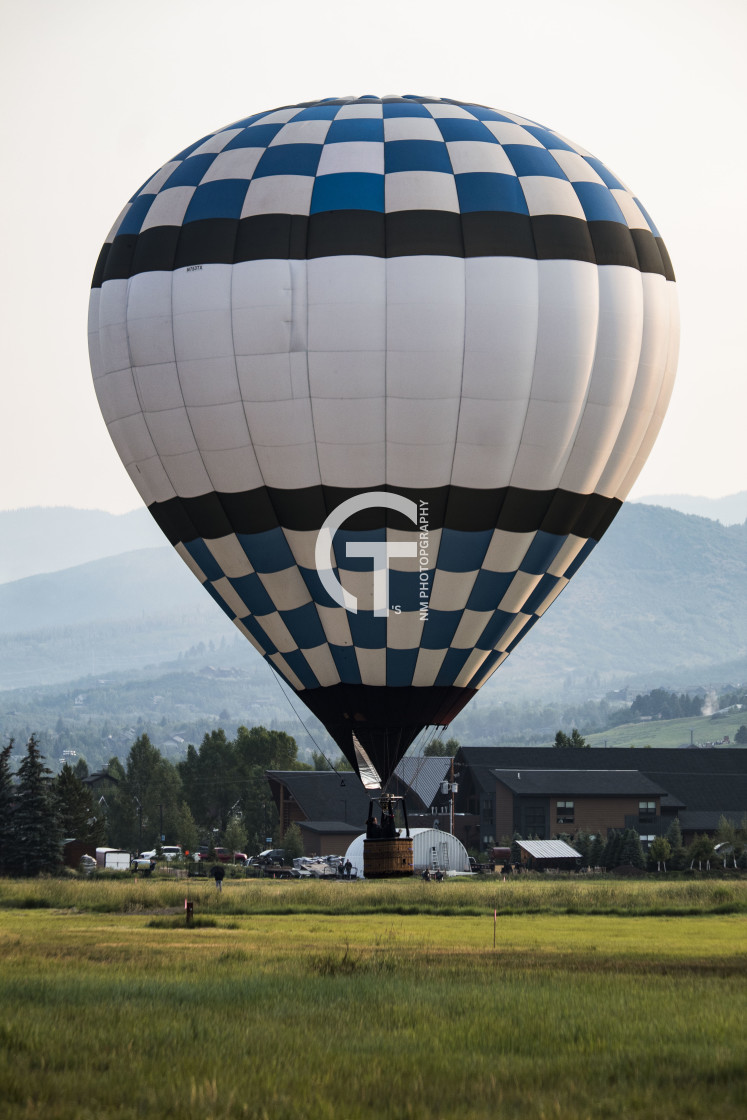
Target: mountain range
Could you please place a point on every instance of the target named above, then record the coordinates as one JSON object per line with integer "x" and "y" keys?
{"x": 660, "y": 602}
{"x": 730, "y": 510}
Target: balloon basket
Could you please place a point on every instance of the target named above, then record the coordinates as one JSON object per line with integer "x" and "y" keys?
{"x": 387, "y": 859}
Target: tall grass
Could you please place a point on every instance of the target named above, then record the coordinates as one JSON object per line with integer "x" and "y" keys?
{"x": 315, "y": 1017}
{"x": 516, "y": 896}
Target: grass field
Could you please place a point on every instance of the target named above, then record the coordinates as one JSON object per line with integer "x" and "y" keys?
{"x": 670, "y": 732}
{"x": 313, "y": 1000}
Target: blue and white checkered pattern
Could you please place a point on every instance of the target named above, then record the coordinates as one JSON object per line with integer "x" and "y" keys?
{"x": 476, "y": 610}
{"x": 384, "y": 156}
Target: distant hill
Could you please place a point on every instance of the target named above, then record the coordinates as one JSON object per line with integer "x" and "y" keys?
{"x": 660, "y": 601}
{"x": 731, "y": 510}
{"x": 41, "y": 539}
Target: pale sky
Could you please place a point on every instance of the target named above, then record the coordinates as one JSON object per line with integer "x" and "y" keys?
{"x": 98, "y": 95}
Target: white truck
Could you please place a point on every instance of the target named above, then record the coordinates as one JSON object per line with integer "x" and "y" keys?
{"x": 112, "y": 859}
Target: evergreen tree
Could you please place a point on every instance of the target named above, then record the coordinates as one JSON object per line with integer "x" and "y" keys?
{"x": 235, "y": 834}
{"x": 582, "y": 844}
{"x": 515, "y": 849}
{"x": 631, "y": 851}
{"x": 186, "y": 830}
{"x": 35, "y": 831}
{"x": 612, "y": 850}
{"x": 81, "y": 817}
{"x": 596, "y": 852}
{"x": 741, "y": 735}
{"x": 7, "y": 800}
{"x": 678, "y": 857}
{"x": 292, "y": 843}
{"x": 440, "y": 748}
{"x": 147, "y": 801}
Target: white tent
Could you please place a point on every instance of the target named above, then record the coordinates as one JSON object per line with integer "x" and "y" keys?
{"x": 431, "y": 848}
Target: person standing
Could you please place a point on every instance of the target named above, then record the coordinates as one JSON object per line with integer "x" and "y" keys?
{"x": 218, "y": 872}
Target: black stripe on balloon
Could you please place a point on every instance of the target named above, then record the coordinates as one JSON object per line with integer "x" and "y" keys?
{"x": 369, "y": 233}
{"x": 384, "y": 720}
{"x": 258, "y": 511}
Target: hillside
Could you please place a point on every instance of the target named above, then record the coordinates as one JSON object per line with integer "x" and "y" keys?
{"x": 730, "y": 510}
{"x": 48, "y": 540}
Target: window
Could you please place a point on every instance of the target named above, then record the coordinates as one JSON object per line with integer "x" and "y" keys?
{"x": 646, "y": 810}
{"x": 565, "y": 812}
{"x": 534, "y": 821}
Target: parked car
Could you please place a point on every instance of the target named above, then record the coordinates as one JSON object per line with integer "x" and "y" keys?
{"x": 222, "y": 855}
{"x": 269, "y": 856}
{"x": 168, "y": 851}
{"x": 143, "y": 863}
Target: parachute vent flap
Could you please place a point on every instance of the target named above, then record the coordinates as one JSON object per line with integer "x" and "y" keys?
{"x": 366, "y": 769}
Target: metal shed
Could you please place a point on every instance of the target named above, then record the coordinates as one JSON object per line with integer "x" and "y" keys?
{"x": 540, "y": 854}
{"x": 431, "y": 848}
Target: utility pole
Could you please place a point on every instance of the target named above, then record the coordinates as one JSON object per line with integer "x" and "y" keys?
{"x": 451, "y": 788}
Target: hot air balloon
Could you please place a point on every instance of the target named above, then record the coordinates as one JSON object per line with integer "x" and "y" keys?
{"x": 383, "y": 370}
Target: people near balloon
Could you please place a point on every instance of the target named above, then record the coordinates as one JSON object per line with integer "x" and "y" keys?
{"x": 388, "y": 830}
{"x": 373, "y": 829}
{"x": 384, "y": 369}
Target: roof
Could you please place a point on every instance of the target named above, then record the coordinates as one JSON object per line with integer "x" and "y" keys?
{"x": 342, "y": 828}
{"x": 699, "y": 779}
{"x": 578, "y": 783}
{"x": 705, "y": 820}
{"x": 422, "y": 774}
{"x": 671, "y": 760}
{"x": 325, "y": 794}
{"x": 548, "y": 849}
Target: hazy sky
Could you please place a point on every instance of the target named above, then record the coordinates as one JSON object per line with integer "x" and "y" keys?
{"x": 97, "y": 94}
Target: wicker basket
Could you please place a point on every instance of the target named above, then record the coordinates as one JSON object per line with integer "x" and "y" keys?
{"x": 387, "y": 859}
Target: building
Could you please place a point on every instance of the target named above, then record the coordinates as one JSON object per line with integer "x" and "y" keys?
{"x": 546, "y": 803}
{"x": 600, "y": 789}
{"x": 546, "y": 855}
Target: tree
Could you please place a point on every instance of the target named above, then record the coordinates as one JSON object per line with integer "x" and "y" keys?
{"x": 186, "y": 830}
{"x": 726, "y": 834}
{"x": 235, "y": 834}
{"x": 7, "y": 799}
{"x": 35, "y": 825}
{"x": 678, "y": 858}
{"x": 701, "y": 851}
{"x": 612, "y": 850}
{"x": 596, "y": 852}
{"x": 660, "y": 852}
{"x": 148, "y": 799}
{"x": 574, "y": 740}
{"x": 440, "y": 749}
{"x": 741, "y": 735}
{"x": 515, "y": 849}
{"x": 293, "y": 843}
{"x": 631, "y": 851}
{"x": 81, "y": 817}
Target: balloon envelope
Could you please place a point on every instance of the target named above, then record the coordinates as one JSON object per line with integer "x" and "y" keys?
{"x": 383, "y": 370}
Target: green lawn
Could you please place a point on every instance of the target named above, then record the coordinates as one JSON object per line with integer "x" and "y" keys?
{"x": 357, "y": 1014}
{"x": 671, "y": 732}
